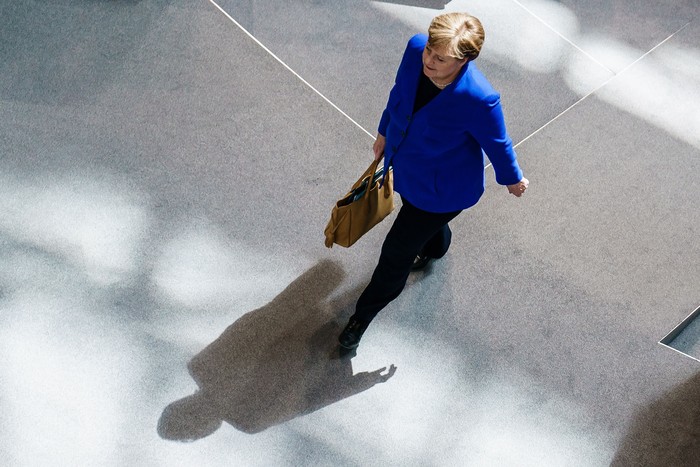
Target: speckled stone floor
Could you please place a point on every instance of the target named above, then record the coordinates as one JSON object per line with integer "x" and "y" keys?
{"x": 167, "y": 168}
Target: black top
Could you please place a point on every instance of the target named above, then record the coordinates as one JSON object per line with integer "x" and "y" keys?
{"x": 425, "y": 93}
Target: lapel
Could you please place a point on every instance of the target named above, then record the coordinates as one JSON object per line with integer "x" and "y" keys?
{"x": 412, "y": 86}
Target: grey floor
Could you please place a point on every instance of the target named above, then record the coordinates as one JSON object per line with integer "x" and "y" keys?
{"x": 165, "y": 182}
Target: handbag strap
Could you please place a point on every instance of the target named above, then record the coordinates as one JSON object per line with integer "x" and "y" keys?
{"x": 369, "y": 174}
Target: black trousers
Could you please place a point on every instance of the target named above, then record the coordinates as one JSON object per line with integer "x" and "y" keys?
{"x": 414, "y": 231}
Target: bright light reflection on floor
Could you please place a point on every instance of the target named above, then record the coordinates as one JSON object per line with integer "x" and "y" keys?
{"x": 76, "y": 378}
{"x": 75, "y": 374}
{"x": 513, "y": 426}
{"x": 84, "y": 218}
{"x": 66, "y": 383}
{"x": 663, "y": 88}
{"x": 439, "y": 410}
{"x": 521, "y": 39}
{"x": 201, "y": 269}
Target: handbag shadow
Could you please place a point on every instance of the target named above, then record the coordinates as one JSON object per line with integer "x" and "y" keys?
{"x": 272, "y": 365}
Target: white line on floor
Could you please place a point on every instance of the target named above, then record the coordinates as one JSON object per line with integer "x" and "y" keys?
{"x": 289, "y": 68}
{"x": 602, "y": 85}
{"x": 562, "y": 36}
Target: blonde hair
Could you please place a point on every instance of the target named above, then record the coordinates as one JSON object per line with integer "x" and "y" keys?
{"x": 461, "y": 34}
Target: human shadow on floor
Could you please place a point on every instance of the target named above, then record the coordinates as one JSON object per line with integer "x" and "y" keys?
{"x": 272, "y": 365}
{"x": 667, "y": 432}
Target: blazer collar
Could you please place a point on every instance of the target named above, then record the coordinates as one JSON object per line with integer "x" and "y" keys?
{"x": 413, "y": 85}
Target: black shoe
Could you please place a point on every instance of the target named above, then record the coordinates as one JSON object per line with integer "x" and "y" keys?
{"x": 420, "y": 262}
{"x": 349, "y": 339}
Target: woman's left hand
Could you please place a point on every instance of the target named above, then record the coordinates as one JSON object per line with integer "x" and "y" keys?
{"x": 519, "y": 188}
{"x": 378, "y": 147}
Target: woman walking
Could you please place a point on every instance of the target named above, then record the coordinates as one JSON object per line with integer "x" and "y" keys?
{"x": 441, "y": 116}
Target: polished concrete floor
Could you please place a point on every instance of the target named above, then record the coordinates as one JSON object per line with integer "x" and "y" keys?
{"x": 167, "y": 168}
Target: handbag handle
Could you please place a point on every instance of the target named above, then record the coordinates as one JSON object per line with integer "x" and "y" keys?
{"x": 369, "y": 176}
{"x": 368, "y": 173}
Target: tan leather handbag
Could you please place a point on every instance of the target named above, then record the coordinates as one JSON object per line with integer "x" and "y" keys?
{"x": 366, "y": 204}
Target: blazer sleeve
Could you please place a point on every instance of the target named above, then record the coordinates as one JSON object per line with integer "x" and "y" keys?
{"x": 489, "y": 129}
{"x": 384, "y": 121}
{"x": 416, "y": 42}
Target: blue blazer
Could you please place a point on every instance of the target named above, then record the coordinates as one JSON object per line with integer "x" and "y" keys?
{"x": 437, "y": 154}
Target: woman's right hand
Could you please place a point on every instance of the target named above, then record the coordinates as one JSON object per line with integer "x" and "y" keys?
{"x": 379, "y": 147}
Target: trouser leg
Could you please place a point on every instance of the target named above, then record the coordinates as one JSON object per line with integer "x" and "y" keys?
{"x": 413, "y": 231}
{"x": 438, "y": 244}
